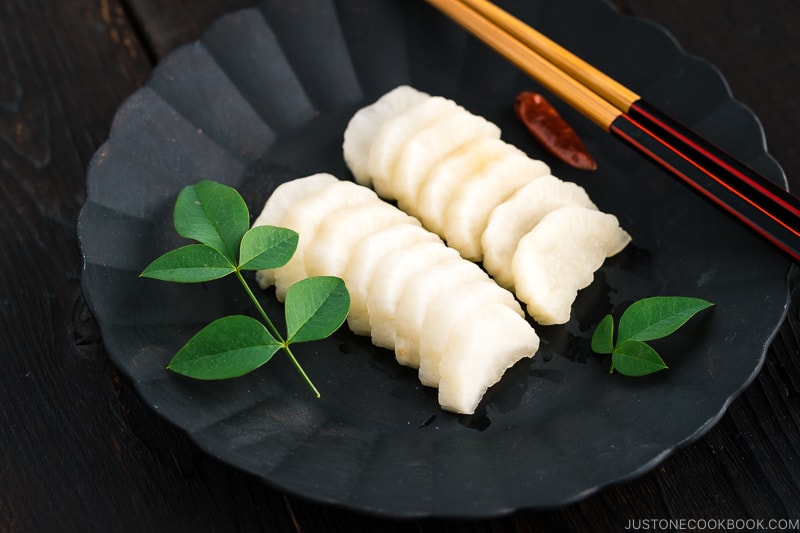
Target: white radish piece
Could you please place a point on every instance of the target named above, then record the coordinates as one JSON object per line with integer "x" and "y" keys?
{"x": 419, "y": 292}
{"x": 329, "y": 252}
{"x": 365, "y": 123}
{"x": 395, "y": 133}
{"x": 468, "y": 210}
{"x": 388, "y": 283}
{"x": 442, "y": 315}
{"x": 484, "y": 343}
{"x": 559, "y": 256}
{"x": 448, "y": 173}
{"x": 289, "y": 193}
{"x": 304, "y": 218}
{"x": 366, "y": 255}
{"x": 430, "y": 144}
{"x": 280, "y": 201}
{"x": 516, "y": 216}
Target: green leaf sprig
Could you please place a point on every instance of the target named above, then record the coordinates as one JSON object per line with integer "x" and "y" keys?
{"x": 217, "y": 217}
{"x": 644, "y": 320}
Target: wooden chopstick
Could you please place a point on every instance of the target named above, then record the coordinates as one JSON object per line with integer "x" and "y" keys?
{"x": 598, "y": 82}
{"x": 740, "y": 191}
{"x": 532, "y": 63}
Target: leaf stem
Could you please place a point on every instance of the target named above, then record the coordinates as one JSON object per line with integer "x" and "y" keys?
{"x": 300, "y": 370}
{"x": 276, "y": 333}
{"x": 270, "y": 325}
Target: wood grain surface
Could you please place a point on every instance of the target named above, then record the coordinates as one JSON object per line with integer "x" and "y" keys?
{"x": 80, "y": 452}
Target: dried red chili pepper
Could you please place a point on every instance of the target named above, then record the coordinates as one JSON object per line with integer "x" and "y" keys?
{"x": 552, "y": 131}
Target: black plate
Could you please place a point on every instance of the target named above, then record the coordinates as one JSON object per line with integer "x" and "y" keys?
{"x": 264, "y": 97}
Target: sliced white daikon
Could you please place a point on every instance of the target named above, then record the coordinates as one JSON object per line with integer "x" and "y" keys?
{"x": 365, "y": 123}
{"x": 289, "y": 193}
{"x": 330, "y": 250}
{"x": 442, "y": 314}
{"x": 395, "y": 133}
{"x": 559, "y": 256}
{"x": 516, "y": 216}
{"x": 483, "y": 344}
{"x": 419, "y": 292}
{"x": 388, "y": 283}
{"x": 428, "y": 145}
{"x": 305, "y": 216}
{"x": 282, "y": 198}
{"x": 468, "y": 211}
{"x": 366, "y": 255}
{"x": 448, "y": 173}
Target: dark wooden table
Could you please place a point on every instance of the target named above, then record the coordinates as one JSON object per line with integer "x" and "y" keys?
{"x": 80, "y": 452}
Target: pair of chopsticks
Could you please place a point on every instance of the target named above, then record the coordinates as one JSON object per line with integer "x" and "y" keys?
{"x": 749, "y": 197}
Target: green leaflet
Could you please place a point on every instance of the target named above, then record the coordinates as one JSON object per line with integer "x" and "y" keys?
{"x": 194, "y": 263}
{"x": 227, "y": 348}
{"x": 603, "y": 338}
{"x": 266, "y": 247}
{"x": 656, "y": 317}
{"x": 214, "y": 215}
{"x": 636, "y": 358}
{"x": 645, "y": 320}
{"x": 315, "y": 308}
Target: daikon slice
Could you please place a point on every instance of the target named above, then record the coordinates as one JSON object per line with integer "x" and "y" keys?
{"x": 388, "y": 283}
{"x": 366, "y": 255}
{"x": 448, "y": 173}
{"x": 395, "y": 133}
{"x": 282, "y": 198}
{"x": 442, "y": 315}
{"x": 484, "y": 343}
{"x": 559, "y": 257}
{"x": 428, "y": 145}
{"x": 419, "y": 292}
{"x": 305, "y": 216}
{"x": 365, "y": 123}
{"x": 467, "y": 213}
{"x": 516, "y": 216}
{"x": 340, "y": 231}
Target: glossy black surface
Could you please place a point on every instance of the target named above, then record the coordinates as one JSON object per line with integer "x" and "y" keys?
{"x": 256, "y": 102}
